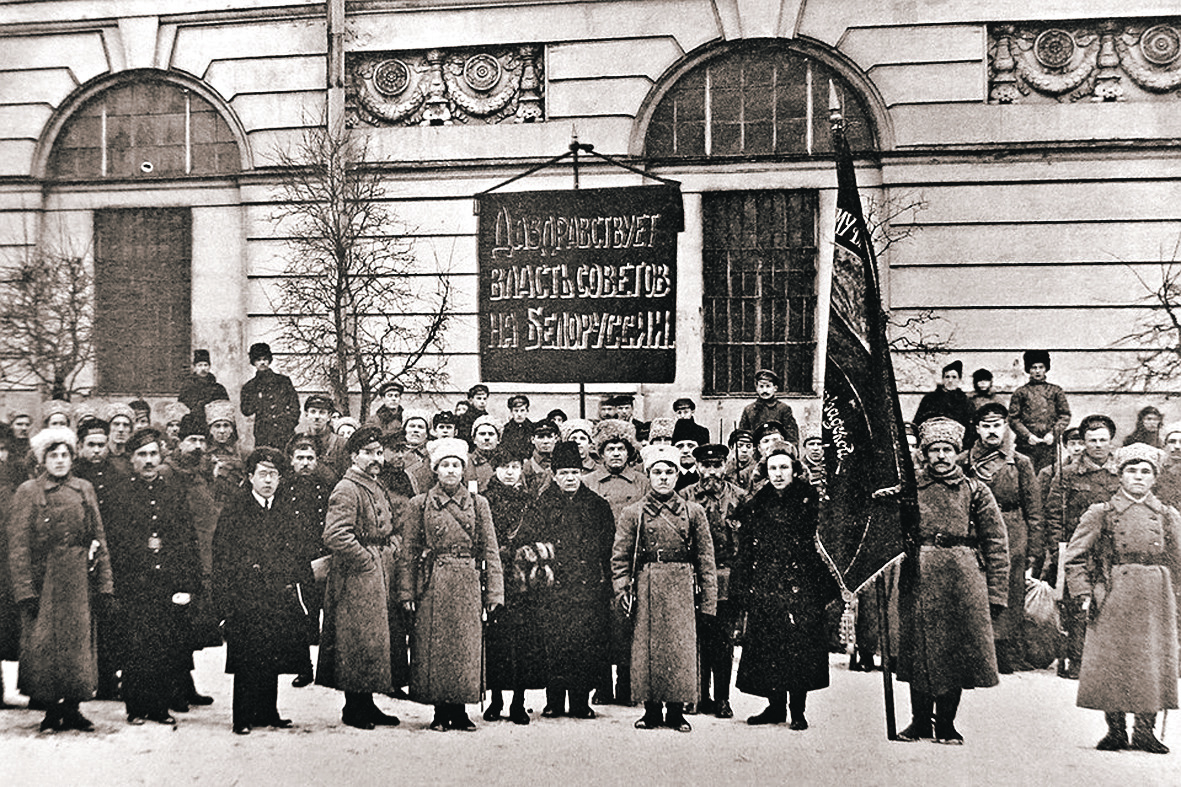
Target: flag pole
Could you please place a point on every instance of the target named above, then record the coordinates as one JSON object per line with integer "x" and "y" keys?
{"x": 837, "y": 123}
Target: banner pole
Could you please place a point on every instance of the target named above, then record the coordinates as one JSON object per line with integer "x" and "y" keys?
{"x": 887, "y": 656}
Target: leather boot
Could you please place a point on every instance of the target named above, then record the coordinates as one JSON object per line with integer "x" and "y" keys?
{"x": 945, "y": 709}
{"x": 799, "y": 699}
{"x": 1117, "y": 733}
{"x": 922, "y": 708}
{"x": 653, "y": 717}
{"x": 1004, "y": 660}
{"x": 775, "y": 713}
{"x": 675, "y": 718}
{"x": 1143, "y": 737}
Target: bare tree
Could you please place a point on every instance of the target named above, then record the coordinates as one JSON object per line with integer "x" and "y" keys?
{"x": 1156, "y": 336}
{"x": 356, "y": 307}
{"x": 46, "y": 319}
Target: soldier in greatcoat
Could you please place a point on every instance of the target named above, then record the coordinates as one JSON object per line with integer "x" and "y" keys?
{"x": 157, "y": 571}
{"x": 60, "y": 571}
{"x": 1122, "y": 561}
{"x": 620, "y": 483}
{"x": 449, "y": 575}
{"x": 1091, "y": 478}
{"x": 359, "y": 531}
{"x": 271, "y": 398}
{"x": 1011, "y": 479}
{"x": 950, "y": 590}
{"x": 223, "y": 454}
{"x": 664, "y": 555}
{"x": 573, "y": 614}
{"x": 260, "y": 575}
{"x": 721, "y": 501}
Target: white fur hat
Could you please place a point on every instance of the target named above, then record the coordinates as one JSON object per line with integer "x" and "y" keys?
{"x": 654, "y": 454}
{"x": 446, "y": 447}
{"x": 46, "y": 438}
{"x": 1139, "y": 452}
{"x": 485, "y": 420}
{"x": 577, "y": 425}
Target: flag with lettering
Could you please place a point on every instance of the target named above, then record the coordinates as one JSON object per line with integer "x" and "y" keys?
{"x": 870, "y": 504}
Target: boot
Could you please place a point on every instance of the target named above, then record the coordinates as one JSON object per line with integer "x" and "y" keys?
{"x": 1117, "y": 733}
{"x": 775, "y": 713}
{"x": 356, "y": 710}
{"x": 494, "y": 707}
{"x": 72, "y": 718}
{"x": 192, "y": 697}
{"x": 53, "y": 719}
{"x": 922, "y": 708}
{"x": 516, "y": 712}
{"x": 675, "y": 718}
{"x": 439, "y": 722}
{"x": 1004, "y": 661}
{"x": 799, "y": 699}
{"x": 652, "y": 718}
{"x": 1143, "y": 737}
{"x": 945, "y": 710}
{"x": 555, "y": 704}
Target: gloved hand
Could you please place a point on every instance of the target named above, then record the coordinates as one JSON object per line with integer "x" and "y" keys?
{"x": 995, "y": 610}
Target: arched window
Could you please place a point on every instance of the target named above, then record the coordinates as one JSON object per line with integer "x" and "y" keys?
{"x": 147, "y": 128}
{"x": 762, "y": 100}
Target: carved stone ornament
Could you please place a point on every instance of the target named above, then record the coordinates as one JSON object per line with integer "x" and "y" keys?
{"x": 446, "y": 86}
{"x": 1088, "y": 60}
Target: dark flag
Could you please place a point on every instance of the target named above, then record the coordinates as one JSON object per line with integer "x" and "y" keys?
{"x": 870, "y": 503}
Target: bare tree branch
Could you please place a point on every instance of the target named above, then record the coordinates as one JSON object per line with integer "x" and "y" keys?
{"x": 1156, "y": 336}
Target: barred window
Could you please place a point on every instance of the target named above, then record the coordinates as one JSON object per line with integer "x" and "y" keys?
{"x": 759, "y": 266}
{"x": 764, "y": 100}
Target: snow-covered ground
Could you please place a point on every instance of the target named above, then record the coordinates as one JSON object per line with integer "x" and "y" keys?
{"x": 1027, "y": 731}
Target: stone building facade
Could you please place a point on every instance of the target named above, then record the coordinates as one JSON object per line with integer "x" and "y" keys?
{"x": 1036, "y": 144}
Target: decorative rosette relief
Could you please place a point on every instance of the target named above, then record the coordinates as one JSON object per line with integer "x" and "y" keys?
{"x": 439, "y": 87}
{"x": 1091, "y": 60}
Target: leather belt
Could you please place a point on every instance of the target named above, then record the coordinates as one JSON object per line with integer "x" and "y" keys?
{"x": 948, "y": 540}
{"x": 678, "y": 555}
{"x": 1139, "y": 558}
{"x": 455, "y": 550}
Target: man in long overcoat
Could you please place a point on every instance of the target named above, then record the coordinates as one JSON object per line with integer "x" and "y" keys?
{"x": 1122, "y": 562}
{"x": 1091, "y": 478}
{"x": 948, "y": 590}
{"x": 271, "y": 398}
{"x": 306, "y": 489}
{"x": 664, "y": 554}
{"x": 157, "y": 573}
{"x": 359, "y": 531}
{"x": 449, "y": 575}
{"x": 573, "y": 615}
{"x": 260, "y": 573}
{"x": 1011, "y": 479}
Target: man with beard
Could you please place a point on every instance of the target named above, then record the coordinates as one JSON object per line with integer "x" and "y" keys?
{"x": 120, "y": 417}
{"x": 183, "y": 468}
{"x": 271, "y": 398}
{"x": 157, "y": 573}
{"x": 260, "y": 576}
{"x": 1092, "y": 478}
{"x": 1038, "y": 411}
{"x": 720, "y": 499}
{"x": 537, "y": 472}
{"x": 306, "y": 488}
{"x": 200, "y": 387}
{"x": 1010, "y": 477}
{"x": 94, "y": 466}
{"x": 620, "y": 484}
{"x": 330, "y": 452}
{"x": 957, "y": 582}
{"x": 359, "y": 531}
{"x": 573, "y": 614}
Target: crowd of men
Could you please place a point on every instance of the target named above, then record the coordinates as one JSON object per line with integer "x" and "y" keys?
{"x": 433, "y": 557}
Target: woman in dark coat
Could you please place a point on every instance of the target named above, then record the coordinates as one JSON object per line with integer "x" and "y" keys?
{"x": 506, "y": 649}
{"x": 573, "y": 614}
{"x": 781, "y": 584}
{"x": 1147, "y": 431}
{"x": 57, "y": 554}
{"x": 260, "y": 572}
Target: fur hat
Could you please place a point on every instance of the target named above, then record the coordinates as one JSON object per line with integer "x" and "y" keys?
{"x": 1169, "y": 429}
{"x": 260, "y": 350}
{"x": 941, "y": 430}
{"x": 1139, "y": 452}
{"x": 47, "y": 438}
{"x": 566, "y": 455}
{"x": 613, "y": 430}
{"x": 954, "y": 366}
{"x": 1030, "y": 357}
{"x": 485, "y": 420}
{"x": 116, "y": 409}
{"x": 84, "y": 410}
{"x": 781, "y": 447}
{"x": 445, "y": 448}
{"x": 408, "y": 417}
{"x": 661, "y": 428}
{"x": 56, "y": 407}
{"x": 684, "y": 429}
{"x": 174, "y": 411}
{"x": 361, "y": 438}
{"x": 345, "y": 420}
{"x": 200, "y": 356}
{"x": 219, "y": 410}
{"x": 190, "y": 424}
{"x": 654, "y": 454}
{"x": 577, "y": 425}
{"x": 981, "y": 374}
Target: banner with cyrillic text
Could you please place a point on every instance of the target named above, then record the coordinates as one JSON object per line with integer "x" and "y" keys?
{"x": 579, "y": 286}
